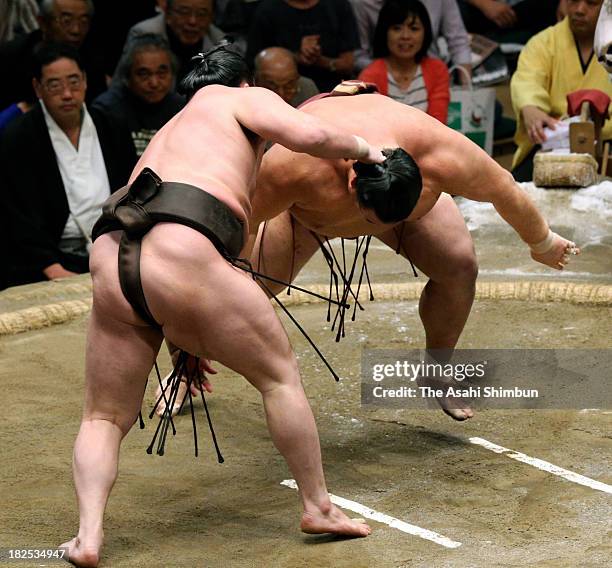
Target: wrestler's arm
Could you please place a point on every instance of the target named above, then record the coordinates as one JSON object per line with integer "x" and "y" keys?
{"x": 480, "y": 178}
{"x": 249, "y": 245}
{"x": 266, "y": 114}
{"x": 282, "y": 179}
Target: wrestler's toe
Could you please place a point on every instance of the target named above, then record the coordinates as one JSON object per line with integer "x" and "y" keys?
{"x": 458, "y": 414}
{"x": 335, "y": 522}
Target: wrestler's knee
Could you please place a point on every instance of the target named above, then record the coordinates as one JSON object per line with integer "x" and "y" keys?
{"x": 459, "y": 265}
{"x": 467, "y": 265}
{"x": 123, "y": 423}
{"x": 280, "y": 370}
{"x": 271, "y": 288}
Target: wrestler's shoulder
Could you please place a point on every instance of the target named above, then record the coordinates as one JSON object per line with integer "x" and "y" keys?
{"x": 213, "y": 91}
{"x": 223, "y": 99}
{"x": 228, "y": 93}
{"x": 251, "y": 95}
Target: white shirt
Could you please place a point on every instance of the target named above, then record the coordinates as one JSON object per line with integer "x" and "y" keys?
{"x": 83, "y": 173}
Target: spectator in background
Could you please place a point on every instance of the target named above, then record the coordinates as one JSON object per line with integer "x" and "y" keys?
{"x": 186, "y": 25}
{"x": 508, "y": 20}
{"x": 113, "y": 21}
{"x": 56, "y": 170}
{"x": 235, "y": 18}
{"x": 142, "y": 99}
{"x": 11, "y": 112}
{"x": 445, "y": 21}
{"x": 276, "y": 69}
{"x": 402, "y": 70}
{"x": 61, "y": 21}
{"x": 555, "y": 62}
{"x": 17, "y": 17}
{"x": 322, "y": 34}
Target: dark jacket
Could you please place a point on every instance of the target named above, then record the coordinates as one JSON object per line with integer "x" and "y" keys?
{"x": 276, "y": 23}
{"x": 33, "y": 202}
{"x": 141, "y": 119}
{"x": 17, "y": 69}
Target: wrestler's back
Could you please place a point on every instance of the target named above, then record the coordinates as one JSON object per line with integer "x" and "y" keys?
{"x": 433, "y": 145}
{"x": 204, "y": 145}
{"x": 323, "y": 202}
{"x": 382, "y": 120}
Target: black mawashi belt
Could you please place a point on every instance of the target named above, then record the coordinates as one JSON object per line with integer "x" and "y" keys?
{"x": 137, "y": 208}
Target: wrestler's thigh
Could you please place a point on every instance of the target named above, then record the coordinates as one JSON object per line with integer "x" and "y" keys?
{"x": 119, "y": 354}
{"x": 104, "y": 270}
{"x": 439, "y": 243}
{"x": 214, "y": 310}
{"x": 119, "y": 358}
{"x": 282, "y": 248}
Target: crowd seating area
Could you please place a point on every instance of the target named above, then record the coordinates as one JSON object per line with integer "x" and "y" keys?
{"x": 87, "y": 84}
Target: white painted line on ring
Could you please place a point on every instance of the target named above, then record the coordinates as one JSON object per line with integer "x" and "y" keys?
{"x": 543, "y": 465}
{"x": 385, "y": 519}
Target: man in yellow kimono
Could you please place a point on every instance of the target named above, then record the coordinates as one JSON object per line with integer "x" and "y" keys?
{"x": 555, "y": 62}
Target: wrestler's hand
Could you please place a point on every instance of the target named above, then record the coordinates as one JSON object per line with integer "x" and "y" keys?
{"x": 199, "y": 384}
{"x": 375, "y": 156}
{"x": 201, "y": 381}
{"x": 367, "y": 153}
{"x": 205, "y": 367}
{"x": 558, "y": 254}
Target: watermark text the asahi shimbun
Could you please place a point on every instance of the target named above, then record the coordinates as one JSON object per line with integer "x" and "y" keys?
{"x": 496, "y": 378}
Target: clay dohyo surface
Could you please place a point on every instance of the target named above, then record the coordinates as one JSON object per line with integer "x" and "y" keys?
{"x": 179, "y": 510}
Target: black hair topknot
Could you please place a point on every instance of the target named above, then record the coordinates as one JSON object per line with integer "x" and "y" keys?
{"x": 390, "y": 189}
{"x": 221, "y": 65}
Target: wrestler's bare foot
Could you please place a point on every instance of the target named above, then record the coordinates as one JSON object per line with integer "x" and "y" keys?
{"x": 182, "y": 393}
{"x": 459, "y": 414}
{"x": 84, "y": 554}
{"x": 161, "y": 407}
{"x": 455, "y": 407}
{"x": 333, "y": 521}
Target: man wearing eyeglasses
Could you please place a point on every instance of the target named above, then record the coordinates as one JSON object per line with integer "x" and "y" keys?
{"x": 276, "y": 70}
{"x": 57, "y": 167}
{"x": 188, "y": 27}
{"x": 61, "y": 21}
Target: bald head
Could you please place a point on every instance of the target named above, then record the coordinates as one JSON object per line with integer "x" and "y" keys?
{"x": 274, "y": 57}
{"x": 276, "y": 69}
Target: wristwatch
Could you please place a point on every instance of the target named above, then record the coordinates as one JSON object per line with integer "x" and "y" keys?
{"x": 332, "y": 65}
